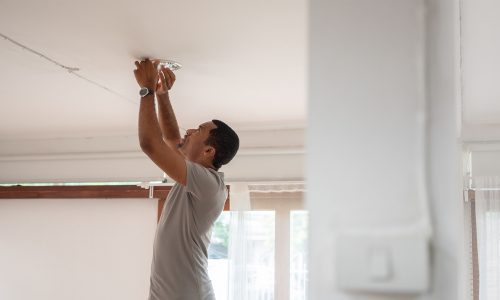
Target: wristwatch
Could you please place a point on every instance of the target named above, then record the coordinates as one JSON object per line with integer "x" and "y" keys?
{"x": 145, "y": 91}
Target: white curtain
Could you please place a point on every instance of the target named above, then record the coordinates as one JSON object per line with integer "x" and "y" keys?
{"x": 251, "y": 268}
{"x": 487, "y": 206}
{"x": 251, "y": 256}
{"x": 252, "y": 242}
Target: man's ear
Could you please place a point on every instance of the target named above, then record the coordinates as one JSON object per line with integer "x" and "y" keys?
{"x": 210, "y": 151}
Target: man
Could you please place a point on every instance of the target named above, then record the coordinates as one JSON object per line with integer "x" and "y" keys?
{"x": 179, "y": 266}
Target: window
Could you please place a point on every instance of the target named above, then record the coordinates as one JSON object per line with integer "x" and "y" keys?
{"x": 252, "y": 243}
{"x": 483, "y": 212}
{"x": 261, "y": 254}
{"x": 218, "y": 264}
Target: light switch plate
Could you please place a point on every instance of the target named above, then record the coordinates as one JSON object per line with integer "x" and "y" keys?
{"x": 394, "y": 264}
{"x": 380, "y": 264}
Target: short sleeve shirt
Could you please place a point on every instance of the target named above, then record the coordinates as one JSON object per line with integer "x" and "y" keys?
{"x": 180, "y": 252}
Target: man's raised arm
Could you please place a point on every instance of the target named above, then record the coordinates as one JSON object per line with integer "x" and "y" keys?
{"x": 168, "y": 122}
{"x": 150, "y": 136}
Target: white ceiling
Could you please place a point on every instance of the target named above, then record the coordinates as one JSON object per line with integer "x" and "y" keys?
{"x": 243, "y": 61}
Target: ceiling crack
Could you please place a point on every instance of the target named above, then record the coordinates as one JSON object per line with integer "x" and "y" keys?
{"x": 71, "y": 70}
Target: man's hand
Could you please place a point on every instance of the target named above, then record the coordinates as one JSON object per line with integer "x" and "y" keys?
{"x": 167, "y": 79}
{"x": 146, "y": 73}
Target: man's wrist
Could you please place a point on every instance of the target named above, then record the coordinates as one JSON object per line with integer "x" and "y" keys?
{"x": 162, "y": 96}
{"x": 146, "y": 91}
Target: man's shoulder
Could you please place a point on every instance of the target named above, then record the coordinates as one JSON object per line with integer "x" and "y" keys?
{"x": 201, "y": 178}
{"x": 199, "y": 169}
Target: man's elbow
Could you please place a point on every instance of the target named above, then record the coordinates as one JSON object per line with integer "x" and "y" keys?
{"x": 146, "y": 145}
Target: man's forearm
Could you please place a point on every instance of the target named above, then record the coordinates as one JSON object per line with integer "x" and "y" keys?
{"x": 168, "y": 122}
{"x": 149, "y": 129}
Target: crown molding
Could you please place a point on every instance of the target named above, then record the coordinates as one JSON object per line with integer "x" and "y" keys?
{"x": 138, "y": 154}
{"x": 263, "y": 156}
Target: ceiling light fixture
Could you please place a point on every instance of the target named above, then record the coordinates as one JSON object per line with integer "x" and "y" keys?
{"x": 172, "y": 65}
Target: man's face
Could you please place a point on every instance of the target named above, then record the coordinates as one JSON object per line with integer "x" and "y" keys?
{"x": 193, "y": 143}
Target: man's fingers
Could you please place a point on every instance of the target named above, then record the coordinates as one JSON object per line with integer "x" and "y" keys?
{"x": 162, "y": 79}
{"x": 137, "y": 64}
{"x": 156, "y": 63}
{"x": 147, "y": 62}
{"x": 169, "y": 75}
{"x": 166, "y": 80}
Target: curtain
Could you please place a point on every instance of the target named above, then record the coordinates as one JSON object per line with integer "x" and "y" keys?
{"x": 254, "y": 239}
{"x": 487, "y": 219}
{"x": 251, "y": 258}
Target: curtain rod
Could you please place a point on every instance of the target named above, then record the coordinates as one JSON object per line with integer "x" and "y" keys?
{"x": 470, "y": 193}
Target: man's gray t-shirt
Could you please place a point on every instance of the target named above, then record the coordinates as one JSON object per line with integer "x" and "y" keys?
{"x": 180, "y": 253}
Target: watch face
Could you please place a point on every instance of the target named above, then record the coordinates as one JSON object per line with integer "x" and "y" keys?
{"x": 143, "y": 92}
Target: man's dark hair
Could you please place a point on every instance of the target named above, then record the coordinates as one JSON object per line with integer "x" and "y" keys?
{"x": 225, "y": 141}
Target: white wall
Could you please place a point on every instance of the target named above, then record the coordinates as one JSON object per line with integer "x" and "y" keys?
{"x": 480, "y": 69}
{"x": 76, "y": 249}
{"x": 367, "y": 93}
{"x": 444, "y": 148}
{"x": 481, "y": 73}
{"x": 485, "y": 160}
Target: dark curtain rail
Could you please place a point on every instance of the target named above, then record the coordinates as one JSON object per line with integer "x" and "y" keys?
{"x": 89, "y": 191}
{"x": 83, "y": 191}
